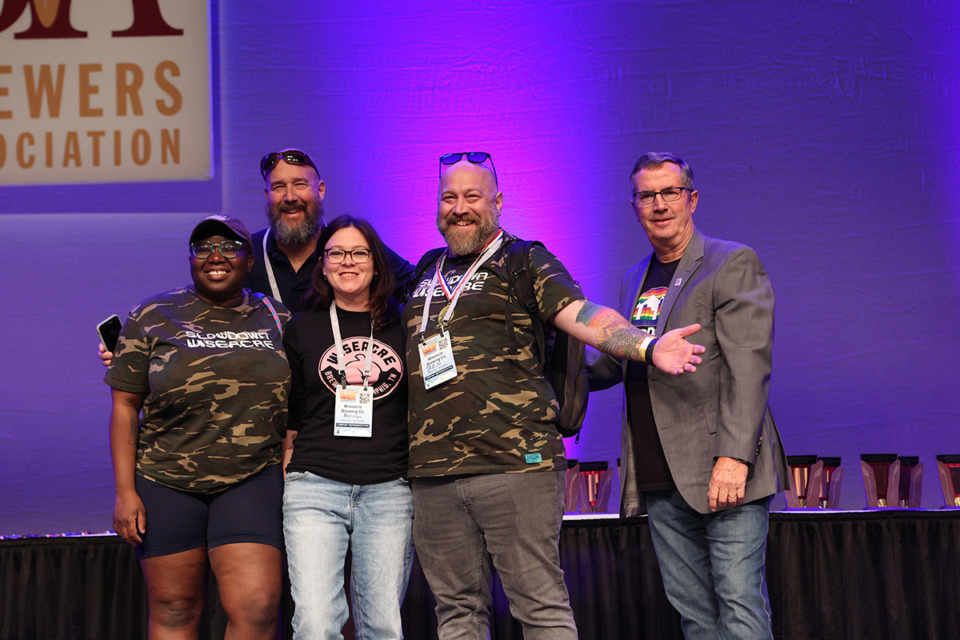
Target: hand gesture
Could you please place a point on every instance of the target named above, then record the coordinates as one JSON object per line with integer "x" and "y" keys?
{"x": 673, "y": 354}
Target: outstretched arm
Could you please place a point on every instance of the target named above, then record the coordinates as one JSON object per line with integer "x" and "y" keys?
{"x": 605, "y": 329}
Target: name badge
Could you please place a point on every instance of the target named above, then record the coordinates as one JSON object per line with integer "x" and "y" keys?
{"x": 353, "y": 416}
{"x": 436, "y": 360}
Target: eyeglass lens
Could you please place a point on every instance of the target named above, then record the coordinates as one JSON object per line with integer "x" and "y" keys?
{"x": 228, "y": 249}
{"x": 670, "y": 194}
{"x": 357, "y": 255}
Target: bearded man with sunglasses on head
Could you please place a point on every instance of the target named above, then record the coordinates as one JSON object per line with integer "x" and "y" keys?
{"x": 487, "y": 462}
{"x": 286, "y": 252}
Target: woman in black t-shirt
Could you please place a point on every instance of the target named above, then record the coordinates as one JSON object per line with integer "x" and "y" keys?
{"x": 346, "y": 446}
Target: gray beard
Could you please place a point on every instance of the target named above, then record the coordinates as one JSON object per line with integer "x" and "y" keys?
{"x": 295, "y": 234}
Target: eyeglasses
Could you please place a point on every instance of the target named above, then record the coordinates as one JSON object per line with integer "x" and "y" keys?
{"x": 290, "y": 156}
{"x": 227, "y": 248}
{"x": 670, "y": 194}
{"x": 475, "y": 157}
{"x": 336, "y": 256}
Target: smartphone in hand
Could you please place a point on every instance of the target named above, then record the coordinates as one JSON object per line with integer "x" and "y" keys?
{"x": 109, "y": 331}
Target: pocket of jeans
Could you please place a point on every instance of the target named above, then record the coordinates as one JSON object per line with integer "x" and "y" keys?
{"x": 293, "y": 476}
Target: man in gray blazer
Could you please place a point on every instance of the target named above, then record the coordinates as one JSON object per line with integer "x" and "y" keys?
{"x": 700, "y": 453}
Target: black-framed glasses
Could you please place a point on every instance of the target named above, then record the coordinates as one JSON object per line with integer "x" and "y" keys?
{"x": 475, "y": 157}
{"x": 229, "y": 249}
{"x": 670, "y": 194}
{"x": 290, "y": 156}
{"x": 336, "y": 256}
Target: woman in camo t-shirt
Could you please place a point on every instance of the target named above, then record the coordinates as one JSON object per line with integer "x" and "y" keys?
{"x": 200, "y": 385}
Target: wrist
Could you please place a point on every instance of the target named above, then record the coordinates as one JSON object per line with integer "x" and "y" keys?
{"x": 648, "y": 354}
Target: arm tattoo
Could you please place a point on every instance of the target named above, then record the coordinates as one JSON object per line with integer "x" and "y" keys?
{"x": 615, "y": 336}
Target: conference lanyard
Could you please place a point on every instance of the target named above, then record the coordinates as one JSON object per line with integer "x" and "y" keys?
{"x": 437, "y": 364}
{"x": 453, "y": 296}
{"x": 269, "y": 267}
{"x": 353, "y": 412}
{"x": 341, "y": 357}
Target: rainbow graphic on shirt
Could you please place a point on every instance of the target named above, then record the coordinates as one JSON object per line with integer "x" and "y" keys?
{"x": 647, "y": 310}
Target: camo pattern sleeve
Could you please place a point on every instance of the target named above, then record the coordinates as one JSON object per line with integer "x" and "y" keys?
{"x": 498, "y": 415}
{"x": 216, "y": 382}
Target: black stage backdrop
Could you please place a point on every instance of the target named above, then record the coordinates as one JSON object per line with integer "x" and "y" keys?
{"x": 878, "y": 575}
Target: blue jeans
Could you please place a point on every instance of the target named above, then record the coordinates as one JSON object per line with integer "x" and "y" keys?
{"x": 467, "y": 526}
{"x": 321, "y": 519}
{"x": 713, "y": 566}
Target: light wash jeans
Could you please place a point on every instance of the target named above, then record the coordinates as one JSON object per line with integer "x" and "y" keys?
{"x": 713, "y": 566}
{"x": 465, "y": 526}
{"x": 323, "y": 518}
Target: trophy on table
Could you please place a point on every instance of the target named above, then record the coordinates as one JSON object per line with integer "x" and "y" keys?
{"x": 911, "y": 481}
{"x": 881, "y": 479}
{"x": 806, "y": 473}
{"x": 595, "y": 482}
{"x": 949, "y": 468}
{"x": 830, "y": 481}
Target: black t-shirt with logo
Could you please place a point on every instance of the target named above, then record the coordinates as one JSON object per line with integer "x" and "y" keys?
{"x": 652, "y": 472}
{"x": 309, "y": 344}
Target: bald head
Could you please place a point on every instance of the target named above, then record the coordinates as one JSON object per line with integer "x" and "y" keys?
{"x": 483, "y": 172}
{"x": 468, "y": 207}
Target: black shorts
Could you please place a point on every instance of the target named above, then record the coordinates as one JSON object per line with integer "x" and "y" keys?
{"x": 249, "y": 511}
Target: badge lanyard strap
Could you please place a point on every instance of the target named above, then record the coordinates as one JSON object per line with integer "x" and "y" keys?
{"x": 273, "y": 312}
{"x": 269, "y": 268}
{"x": 485, "y": 255}
{"x": 341, "y": 357}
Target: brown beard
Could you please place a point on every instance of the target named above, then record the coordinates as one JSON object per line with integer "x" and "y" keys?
{"x": 463, "y": 246}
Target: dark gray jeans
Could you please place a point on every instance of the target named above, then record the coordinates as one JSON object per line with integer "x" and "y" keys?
{"x": 466, "y": 526}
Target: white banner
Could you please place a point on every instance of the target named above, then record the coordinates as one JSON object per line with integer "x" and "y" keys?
{"x": 104, "y": 91}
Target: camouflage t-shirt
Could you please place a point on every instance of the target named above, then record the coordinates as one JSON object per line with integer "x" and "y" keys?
{"x": 216, "y": 382}
{"x": 499, "y": 414}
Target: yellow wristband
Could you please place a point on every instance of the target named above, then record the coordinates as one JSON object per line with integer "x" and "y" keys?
{"x": 643, "y": 347}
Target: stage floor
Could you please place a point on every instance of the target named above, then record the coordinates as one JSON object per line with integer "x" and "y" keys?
{"x": 891, "y": 574}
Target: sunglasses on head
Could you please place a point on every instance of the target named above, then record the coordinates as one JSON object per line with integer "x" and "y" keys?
{"x": 474, "y": 157}
{"x": 290, "y": 156}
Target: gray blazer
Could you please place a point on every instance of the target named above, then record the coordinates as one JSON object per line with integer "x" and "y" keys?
{"x": 721, "y": 410}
